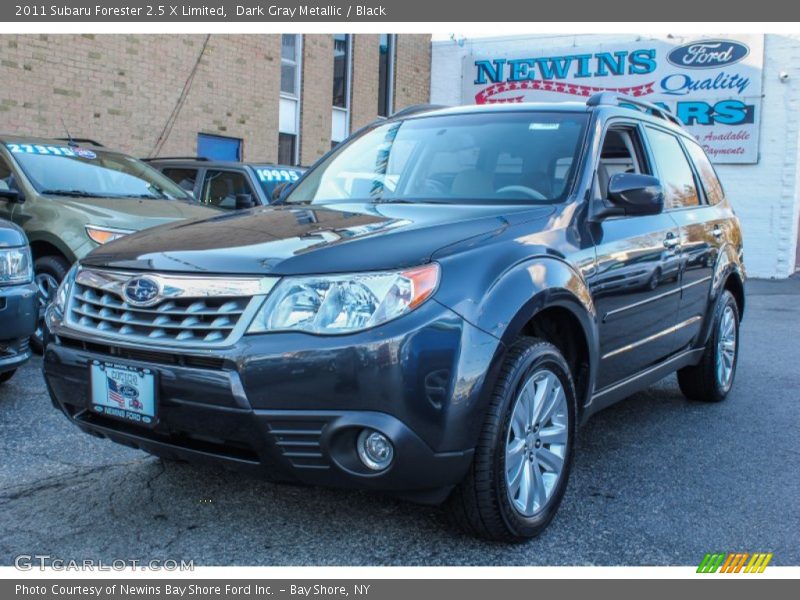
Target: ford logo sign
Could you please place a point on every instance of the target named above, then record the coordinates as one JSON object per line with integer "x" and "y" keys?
{"x": 708, "y": 54}
{"x": 142, "y": 291}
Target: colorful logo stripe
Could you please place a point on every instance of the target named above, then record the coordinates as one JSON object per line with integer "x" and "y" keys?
{"x": 735, "y": 562}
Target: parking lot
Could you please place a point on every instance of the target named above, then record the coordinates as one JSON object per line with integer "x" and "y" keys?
{"x": 657, "y": 480}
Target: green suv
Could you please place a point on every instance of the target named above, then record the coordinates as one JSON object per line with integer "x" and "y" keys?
{"x": 72, "y": 196}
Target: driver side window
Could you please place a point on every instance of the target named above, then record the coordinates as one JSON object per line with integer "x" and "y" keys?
{"x": 6, "y": 177}
{"x": 621, "y": 153}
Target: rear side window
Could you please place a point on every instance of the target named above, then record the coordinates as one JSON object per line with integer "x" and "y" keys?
{"x": 183, "y": 177}
{"x": 708, "y": 177}
{"x": 680, "y": 190}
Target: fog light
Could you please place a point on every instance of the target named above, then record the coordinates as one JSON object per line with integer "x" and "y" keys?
{"x": 374, "y": 449}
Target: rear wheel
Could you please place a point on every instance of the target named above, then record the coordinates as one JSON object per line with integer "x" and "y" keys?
{"x": 523, "y": 457}
{"x": 712, "y": 378}
{"x": 49, "y": 272}
{"x": 7, "y": 375}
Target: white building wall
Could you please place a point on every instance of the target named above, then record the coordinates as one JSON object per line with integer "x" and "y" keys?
{"x": 766, "y": 196}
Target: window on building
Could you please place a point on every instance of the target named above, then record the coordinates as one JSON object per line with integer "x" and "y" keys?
{"x": 342, "y": 58}
{"x": 221, "y": 188}
{"x": 289, "y": 63}
{"x": 289, "y": 111}
{"x": 673, "y": 169}
{"x": 217, "y": 147}
{"x": 711, "y": 184}
{"x": 341, "y": 70}
{"x": 386, "y": 50}
{"x": 287, "y": 148}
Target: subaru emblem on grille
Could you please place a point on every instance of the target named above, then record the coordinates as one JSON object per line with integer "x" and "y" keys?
{"x": 142, "y": 291}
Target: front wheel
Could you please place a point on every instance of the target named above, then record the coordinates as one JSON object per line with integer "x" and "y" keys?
{"x": 49, "y": 271}
{"x": 712, "y": 378}
{"x": 524, "y": 455}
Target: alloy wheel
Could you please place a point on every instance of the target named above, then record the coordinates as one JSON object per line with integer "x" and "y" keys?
{"x": 536, "y": 444}
{"x": 47, "y": 286}
{"x": 726, "y": 348}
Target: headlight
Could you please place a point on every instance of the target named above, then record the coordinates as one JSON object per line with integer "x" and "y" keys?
{"x": 338, "y": 304}
{"x": 62, "y": 294}
{"x": 103, "y": 235}
{"x": 16, "y": 265}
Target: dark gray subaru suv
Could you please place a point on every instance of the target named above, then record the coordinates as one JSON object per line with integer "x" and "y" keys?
{"x": 432, "y": 310}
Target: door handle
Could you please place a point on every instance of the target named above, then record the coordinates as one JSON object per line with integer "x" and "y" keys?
{"x": 717, "y": 231}
{"x": 671, "y": 241}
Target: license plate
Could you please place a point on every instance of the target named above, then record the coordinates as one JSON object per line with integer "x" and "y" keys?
{"x": 123, "y": 392}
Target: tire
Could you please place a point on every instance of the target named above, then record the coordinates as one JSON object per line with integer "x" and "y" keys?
{"x": 654, "y": 280}
{"x": 7, "y": 375}
{"x": 481, "y": 504}
{"x": 48, "y": 270}
{"x": 709, "y": 380}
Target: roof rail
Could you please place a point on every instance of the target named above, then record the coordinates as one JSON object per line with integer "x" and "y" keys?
{"x": 174, "y": 158}
{"x": 415, "y": 109}
{"x": 614, "y": 99}
{"x": 74, "y": 140}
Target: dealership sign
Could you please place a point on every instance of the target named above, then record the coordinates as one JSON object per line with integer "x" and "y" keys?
{"x": 713, "y": 85}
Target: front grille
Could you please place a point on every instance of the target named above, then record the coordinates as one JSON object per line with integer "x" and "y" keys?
{"x": 189, "y": 311}
{"x": 181, "y": 320}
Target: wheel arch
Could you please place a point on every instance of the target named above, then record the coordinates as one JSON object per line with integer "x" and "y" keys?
{"x": 49, "y": 246}
{"x": 544, "y": 297}
{"x": 728, "y": 276}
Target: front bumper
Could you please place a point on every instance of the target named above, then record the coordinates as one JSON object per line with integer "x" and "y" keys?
{"x": 18, "y": 315}
{"x": 290, "y": 406}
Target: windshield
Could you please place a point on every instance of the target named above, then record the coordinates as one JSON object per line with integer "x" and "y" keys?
{"x": 74, "y": 171}
{"x": 485, "y": 157}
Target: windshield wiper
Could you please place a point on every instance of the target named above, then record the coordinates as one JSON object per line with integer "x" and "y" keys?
{"x": 73, "y": 193}
{"x": 144, "y": 196}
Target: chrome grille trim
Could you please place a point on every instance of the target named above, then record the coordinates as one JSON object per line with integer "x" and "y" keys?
{"x": 193, "y": 311}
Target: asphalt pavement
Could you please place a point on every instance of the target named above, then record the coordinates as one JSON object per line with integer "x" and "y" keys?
{"x": 658, "y": 480}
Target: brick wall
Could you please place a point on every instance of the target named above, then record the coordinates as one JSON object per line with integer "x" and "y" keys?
{"x": 364, "y": 101}
{"x": 121, "y": 89}
{"x": 317, "y": 97}
{"x": 412, "y": 70}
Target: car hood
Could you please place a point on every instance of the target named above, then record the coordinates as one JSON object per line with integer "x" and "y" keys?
{"x": 135, "y": 213}
{"x": 312, "y": 239}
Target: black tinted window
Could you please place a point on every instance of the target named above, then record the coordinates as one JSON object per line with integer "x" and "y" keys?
{"x": 708, "y": 177}
{"x": 673, "y": 169}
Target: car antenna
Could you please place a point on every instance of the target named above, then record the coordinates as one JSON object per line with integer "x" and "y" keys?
{"x": 70, "y": 141}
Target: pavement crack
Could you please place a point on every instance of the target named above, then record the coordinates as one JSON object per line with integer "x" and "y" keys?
{"x": 63, "y": 480}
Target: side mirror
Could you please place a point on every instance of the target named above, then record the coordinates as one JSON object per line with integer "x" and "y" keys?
{"x": 633, "y": 194}
{"x": 12, "y": 195}
{"x": 279, "y": 190}
{"x": 244, "y": 201}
